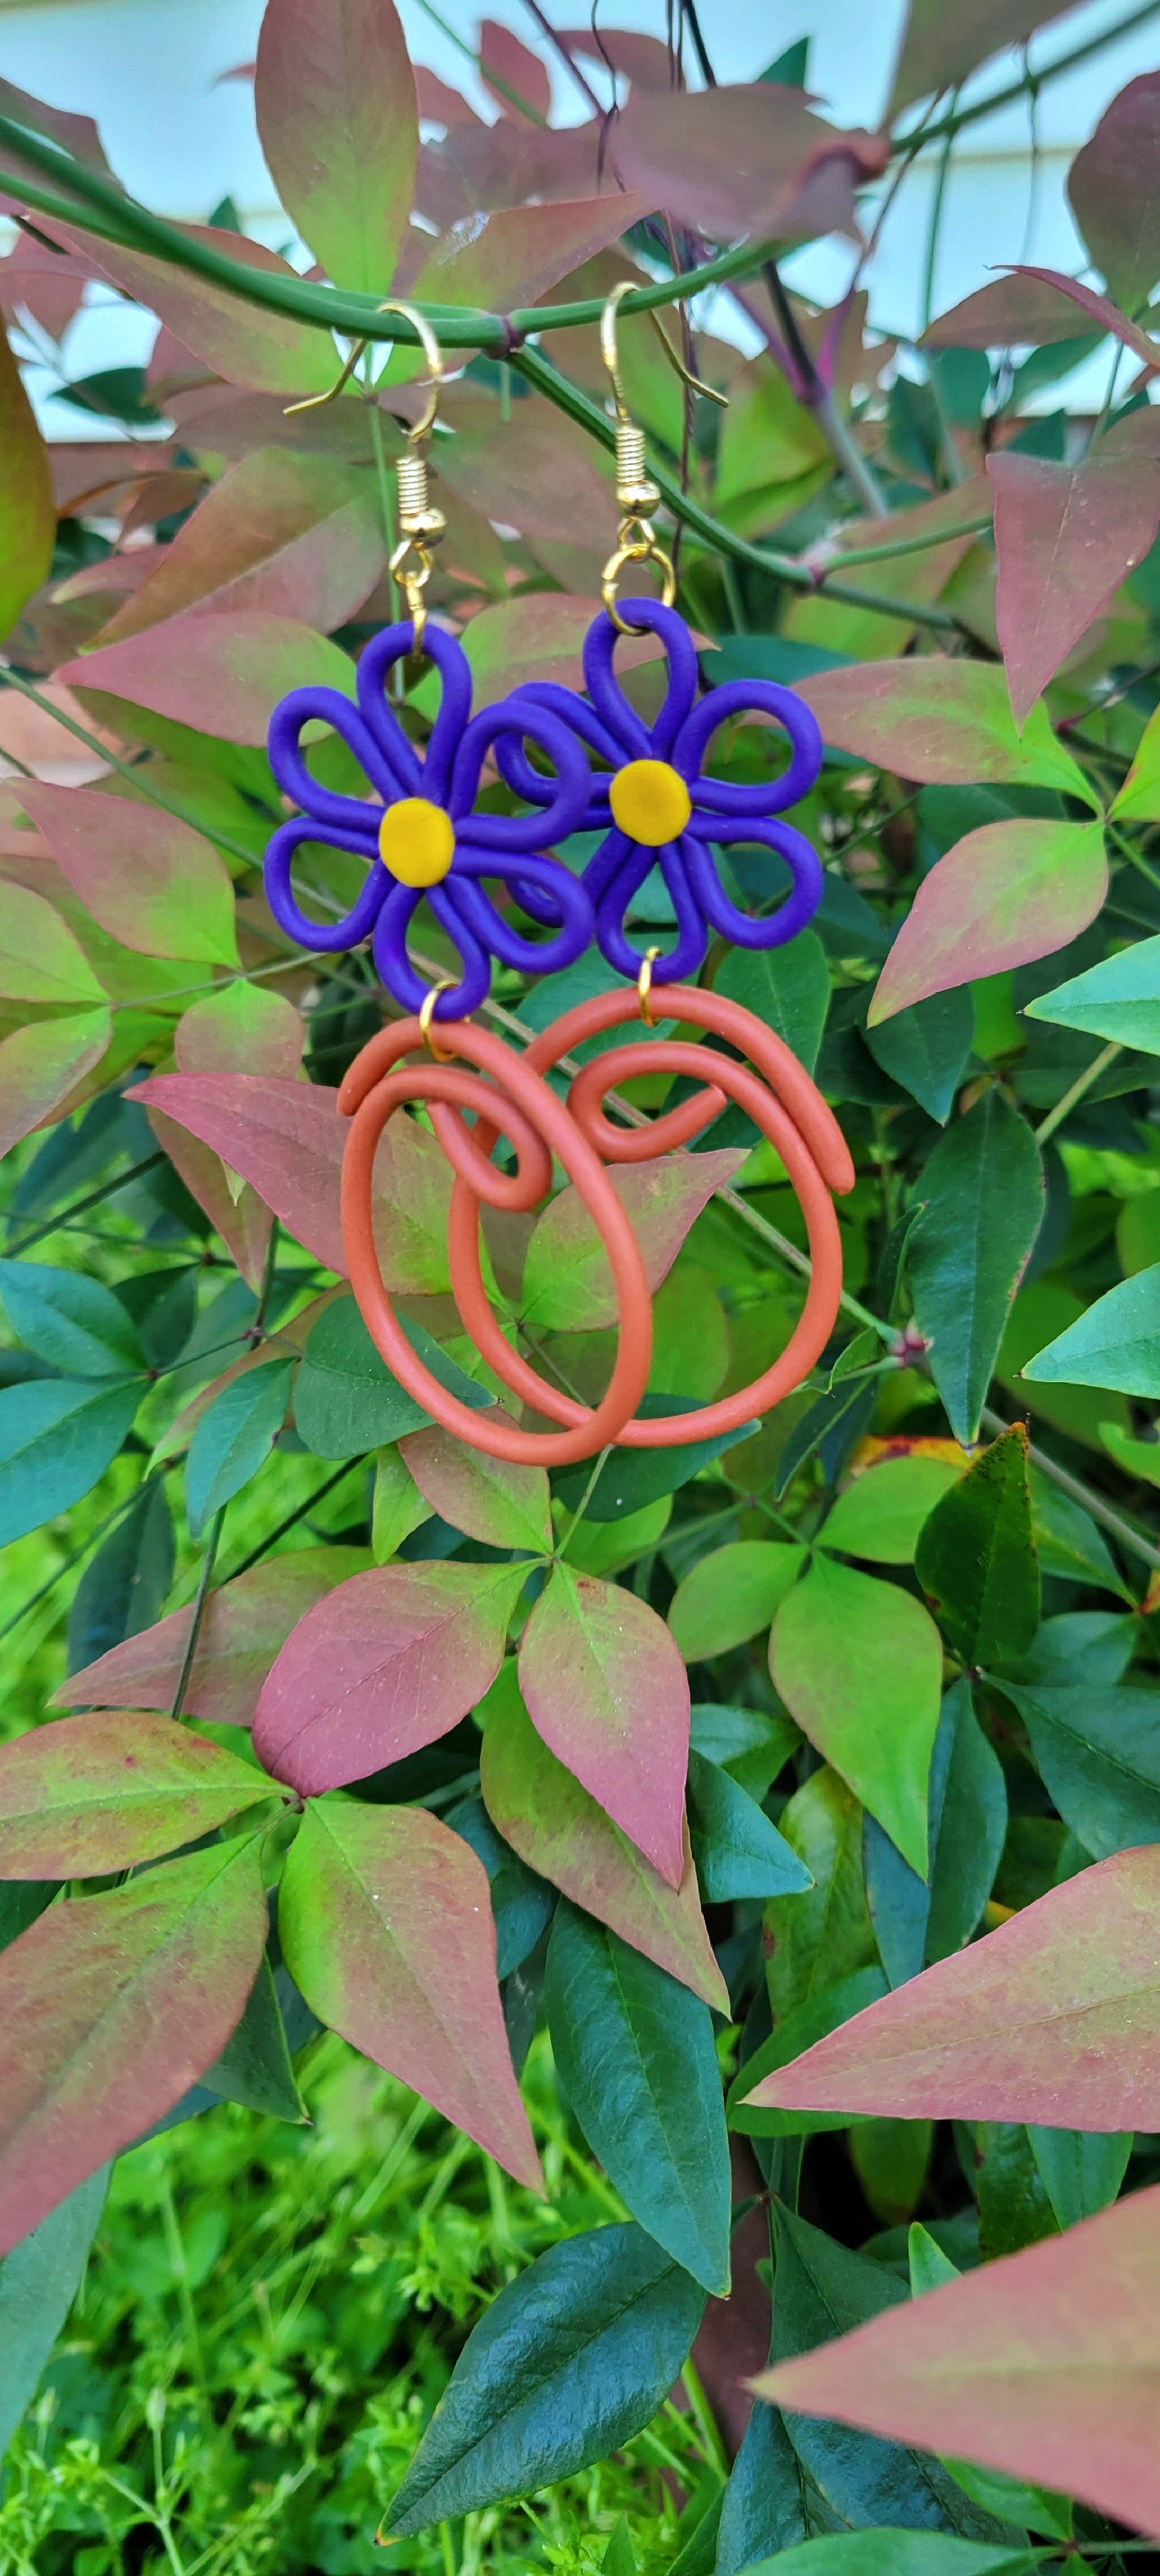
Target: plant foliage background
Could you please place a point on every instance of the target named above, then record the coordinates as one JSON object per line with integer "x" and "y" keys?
{"x": 404, "y": 1998}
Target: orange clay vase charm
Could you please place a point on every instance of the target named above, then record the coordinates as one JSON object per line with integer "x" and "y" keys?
{"x": 508, "y": 1095}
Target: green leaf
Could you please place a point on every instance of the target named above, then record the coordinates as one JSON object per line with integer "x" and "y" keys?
{"x": 822, "y": 2290}
{"x": 567, "y": 2364}
{"x": 386, "y": 1928}
{"x": 926, "y": 1047}
{"x": 948, "y": 724}
{"x": 398, "y": 1506}
{"x": 1115, "y": 1343}
{"x": 1067, "y": 1541}
{"x": 1138, "y": 800}
{"x": 38, "y": 2282}
{"x": 893, "y": 2553}
{"x": 763, "y": 2505}
{"x": 1014, "y": 2209}
{"x": 1081, "y": 2169}
{"x": 567, "y": 1284}
{"x": 632, "y": 1478}
{"x": 618, "y": 2559}
{"x": 42, "y": 960}
{"x": 234, "y": 1438}
{"x": 75, "y": 1322}
{"x": 148, "y": 879}
{"x": 27, "y": 507}
{"x": 254, "y": 2066}
{"x": 751, "y": 1744}
{"x": 880, "y": 1515}
{"x": 1098, "y": 1754}
{"x": 521, "y": 1902}
{"x": 892, "y": 2160}
{"x": 57, "y": 1435}
{"x": 976, "y": 1558}
{"x": 983, "y": 1198}
{"x": 737, "y": 1851}
{"x": 41, "y": 1064}
{"x": 825, "y": 1935}
{"x": 1119, "y": 998}
{"x": 809, "y": 2021}
{"x": 125, "y": 1581}
{"x": 346, "y": 1400}
{"x": 858, "y": 1663}
{"x": 112, "y": 2006}
{"x": 967, "y": 1843}
{"x": 636, "y": 2058}
{"x": 788, "y": 988}
{"x": 87, "y": 1795}
{"x": 732, "y": 1595}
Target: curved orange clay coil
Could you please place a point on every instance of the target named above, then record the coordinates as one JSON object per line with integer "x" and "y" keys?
{"x": 518, "y": 1103}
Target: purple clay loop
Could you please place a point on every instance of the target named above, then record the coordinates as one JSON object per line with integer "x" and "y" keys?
{"x": 768, "y": 930}
{"x": 771, "y": 796}
{"x": 645, "y": 616}
{"x": 330, "y": 936}
{"x": 509, "y": 849}
{"x": 676, "y": 964}
{"x": 549, "y": 697}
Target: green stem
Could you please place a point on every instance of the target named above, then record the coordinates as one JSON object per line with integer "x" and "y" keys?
{"x": 936, "y": 211}
{"x": 583, "y": 1503}
{"x": 201, "y": 1596}
{"x": 107, "y": 1190}
{"x": 915, "y": 545}
{"x": 538, "y": 371}
{"x": 1082, "y": 1084}
{"x": 137, "y": 777}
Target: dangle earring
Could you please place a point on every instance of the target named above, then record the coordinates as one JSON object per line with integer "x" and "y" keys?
{"x": 653, "y": 804}
{"x": 423, "y": 837}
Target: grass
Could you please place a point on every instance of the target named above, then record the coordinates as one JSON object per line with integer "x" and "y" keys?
{"x": 268, "y": 2317}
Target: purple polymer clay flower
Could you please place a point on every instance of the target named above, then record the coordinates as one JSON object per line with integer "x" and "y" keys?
{"x": 427, "y": 840}
{"x": 656, "y": 808}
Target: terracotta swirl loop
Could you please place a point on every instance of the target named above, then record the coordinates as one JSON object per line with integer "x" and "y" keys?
{"x": 509, "y": 1096}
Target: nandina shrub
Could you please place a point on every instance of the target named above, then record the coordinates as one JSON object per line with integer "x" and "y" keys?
{"x": 797, "y": 1784}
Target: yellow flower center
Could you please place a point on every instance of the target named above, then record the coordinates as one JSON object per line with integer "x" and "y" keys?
{"x": 416, "y": 841}
{"x": 650, "y": 802}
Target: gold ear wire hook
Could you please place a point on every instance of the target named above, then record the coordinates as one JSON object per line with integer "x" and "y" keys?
{"x": 636, "y": 493}
{"x": 421, "y": 524}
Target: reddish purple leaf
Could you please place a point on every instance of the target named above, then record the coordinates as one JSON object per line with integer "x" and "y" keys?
{"x": 245, "y": 1625}
{"x": 605, "y": 1684}
{"x": 1030, "y": 309}
{"x": 91, "y": 1794}
{"x": 285, "y": 1137}
{"x": 1044, "y": 2364}
{"x": 151, "y": 882}
{"x": 1005, "y": 894}
{"x": 1114, "y": 187}
{"x": 222, "y": 673}
{"x": 1066, "y": 536}
{"x": 749, "y": 159}
{"x": 290, "y": 535}
{"x": 110, "y": 2008}
{"x": 335, "y": 103}
{"x": 487, "y": 1498}
{"x": 941, "y": 45}
{"x": 542, "y": 1811}
{"x": 242, "y": 1028}
{"x": 390, "y": 1661}
{"x": 1101, "y": 313}
{"x": 236, "y": 339}
{"x": 506, "y": 65}
{"x": 644, "y": 60}
{"x": 385, "y": 1919}
{"x": 41, "y": 1064}
{"x": 498, "y": 261}
{"x": 947, "y": 723}
{"x": 1052, "y": 2019}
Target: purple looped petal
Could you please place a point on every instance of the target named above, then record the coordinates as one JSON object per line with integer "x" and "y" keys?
{"x": 769, "y": 796}
{"x": 512, "y": 761}
{"x": 629, "y": 733}
{"x": 394, "y": 965}
{"x": 725, "y": 917}
{"x": 335, "y": 935}
{"x": 573, "y": 914}
{"x": 427, "y": 777}
{"x": 678, "y": 962}
{"x": 515, "y": 833}
{"x": 328, "y": 706}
